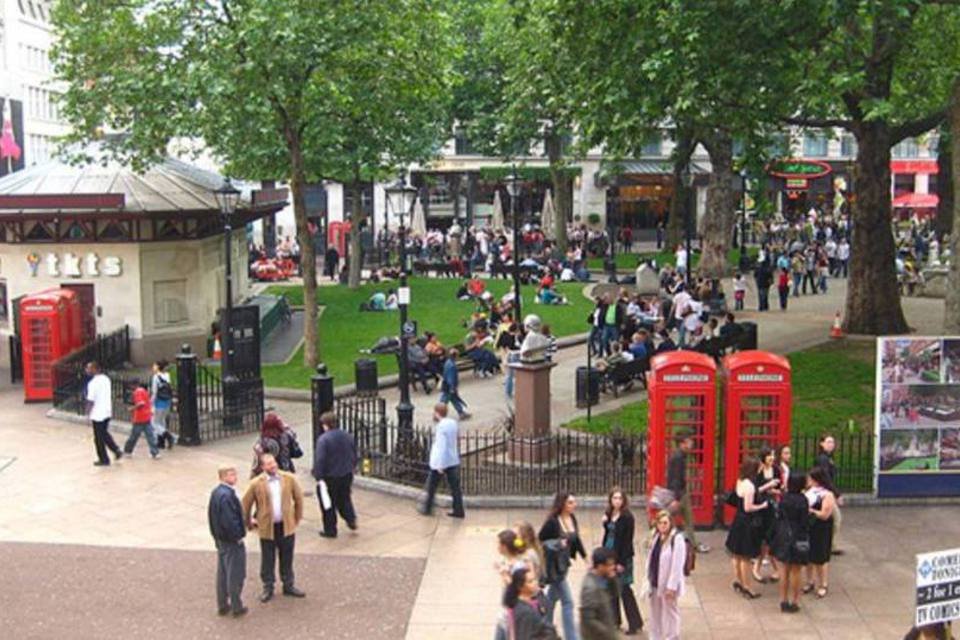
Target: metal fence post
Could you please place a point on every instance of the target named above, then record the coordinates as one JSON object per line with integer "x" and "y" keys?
{"x": 187, "y": 413}
{"x": 321, "y": 399}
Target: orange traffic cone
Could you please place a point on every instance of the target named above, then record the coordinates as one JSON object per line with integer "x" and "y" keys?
{"x": 216, "y": 348}
{"x": 836, "y": 331}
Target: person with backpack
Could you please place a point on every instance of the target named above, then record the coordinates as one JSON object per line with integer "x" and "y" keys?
{"x": 161, "y": 397}
{"x": 666, "y": 567}
{"x": 560, "y": 535}
{"x": 280, "y": 441}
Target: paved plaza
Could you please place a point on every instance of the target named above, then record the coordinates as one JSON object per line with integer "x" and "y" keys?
{"x": 111, "y": 552}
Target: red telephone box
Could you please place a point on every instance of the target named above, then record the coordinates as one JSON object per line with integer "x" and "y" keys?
{"x": 758, "y": 397}
{"x": 47, "y": 332}
{"x": 337, "y": 234}
{"x": 682, "y": 398}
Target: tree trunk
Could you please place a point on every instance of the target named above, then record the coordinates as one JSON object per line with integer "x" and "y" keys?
{"x": 945, "y": 216}
{"x": 678, "y": 203}
{"x": 562, "y": 185}
{"x": 873, "y": 297}
{"x": 951, "y": 318}
{"x": 357, "y": 219}
{"x": 308, "y": 262}
{"x": 719, "y": 219}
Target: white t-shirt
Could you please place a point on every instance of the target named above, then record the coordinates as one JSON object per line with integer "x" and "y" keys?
{"x": 693, "y": 322}
{"x": 99, "y": 393}
{"x": 681, "y": 256}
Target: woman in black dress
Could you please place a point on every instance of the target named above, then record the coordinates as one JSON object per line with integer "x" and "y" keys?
{"x": 769, "y": 491}
{"x": 822, "y": 501}
{"x": 745, "y": 535}
{"x": 792, "y": 541}
{"x": 618, "y": 528}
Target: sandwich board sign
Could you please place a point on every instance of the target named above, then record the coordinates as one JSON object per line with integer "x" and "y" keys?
{"x": 938, "y": 587}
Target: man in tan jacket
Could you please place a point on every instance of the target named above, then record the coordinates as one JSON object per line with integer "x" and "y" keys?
{"x": 273, "y": 504}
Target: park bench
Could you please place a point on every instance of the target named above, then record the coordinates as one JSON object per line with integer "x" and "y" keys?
{"x": 441, "y": 269}
{"x": 622, "y": 376}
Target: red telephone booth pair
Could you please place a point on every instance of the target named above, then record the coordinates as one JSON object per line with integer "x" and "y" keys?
{"x": 337, "y": 235}
{"x": 682, "y": 401}
{"x": 50, "y": 327}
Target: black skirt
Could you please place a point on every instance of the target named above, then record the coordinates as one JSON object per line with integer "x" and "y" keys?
{"x": 821, "y": 540}
{"x": 746, "y": 533}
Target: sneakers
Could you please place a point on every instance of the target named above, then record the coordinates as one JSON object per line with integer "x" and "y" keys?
{"x": 702, "y": 548}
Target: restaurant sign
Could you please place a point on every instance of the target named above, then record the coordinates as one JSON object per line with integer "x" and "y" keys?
{"x": 798, "y": 169}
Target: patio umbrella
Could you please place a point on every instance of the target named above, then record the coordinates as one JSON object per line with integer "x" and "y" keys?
{"x": 497, "y": 220}
{"x": 548, "y": 216}
{"x": 418, "y": 225}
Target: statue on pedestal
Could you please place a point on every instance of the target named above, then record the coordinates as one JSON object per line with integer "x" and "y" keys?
{"x": 533, "y": 350}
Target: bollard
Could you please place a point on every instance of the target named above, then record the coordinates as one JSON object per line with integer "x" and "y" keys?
{"x": 187, "y": 413}
{"x": 321, "y": 398}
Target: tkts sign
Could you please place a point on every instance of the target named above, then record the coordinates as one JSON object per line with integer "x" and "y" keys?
{"x": 71, "y": 265}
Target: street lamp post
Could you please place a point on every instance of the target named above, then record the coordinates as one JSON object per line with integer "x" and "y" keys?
{"x": 743, "y": 213}
{"x": 227, "y": 197}
{"x": 612, "y": 229}
{"x": 687, "y": 178}
{"x": 513, "y": 188}
{"x": 402, "y": 196}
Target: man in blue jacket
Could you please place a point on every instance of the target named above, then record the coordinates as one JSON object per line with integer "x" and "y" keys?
{"x": 335, "y": 457}
{"x": 226, "y": 525}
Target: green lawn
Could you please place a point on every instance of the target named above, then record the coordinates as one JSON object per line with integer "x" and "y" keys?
{"x": 832, "y": 385}
{"x": 629, "y": 261}
{"x": 344, "y": 330}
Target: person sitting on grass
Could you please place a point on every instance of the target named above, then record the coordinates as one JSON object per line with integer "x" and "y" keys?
{"x": 549, "y": 295}
{"x": 377, "y": 302}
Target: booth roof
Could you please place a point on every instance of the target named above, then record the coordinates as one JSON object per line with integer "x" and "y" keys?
{"x": 168, "y": 187}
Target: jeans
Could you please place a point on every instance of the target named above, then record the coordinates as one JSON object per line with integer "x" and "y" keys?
{"x": 453, "y": 480}
{"x": 686, "y": 510}
{"x": 842, "y": 267}
{"x": 797, "y": 279}
{"x": 102, "y": 440}
{"x": 810, "y": 277}
{"x": 682, "y": 334}
{"x": 231, "y": 571}
{"x": 784, "y": 294}
{"x": 610, "y": 335}
{"x": 159, "y": 420}
{"x": 763, "y": 299}
{"x": 268, "y": 553}
{"x": 452, "y": 397}
{"x": 561, "y": 591}
{"x": 508, "y": 383}
{"x": 596, "y": 340}
{"x": 340, "y": 502}
{"x": 146, "y": 430}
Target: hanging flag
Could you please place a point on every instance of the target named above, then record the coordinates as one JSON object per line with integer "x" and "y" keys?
{"x": 8, "y": 144}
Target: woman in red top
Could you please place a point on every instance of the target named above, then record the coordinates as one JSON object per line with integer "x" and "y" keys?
{"x": 140, "y": 416}
{"x": 783, "y": 288}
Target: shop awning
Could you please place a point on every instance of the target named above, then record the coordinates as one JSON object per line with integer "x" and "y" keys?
{"x": 916, "y": 201}
{"x": 641, "y": 168}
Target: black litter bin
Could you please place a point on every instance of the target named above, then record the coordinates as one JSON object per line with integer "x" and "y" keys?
{"x": 748, "y": 337}
{"x": 587, "y": 384}
{"x": 365, "y": 375}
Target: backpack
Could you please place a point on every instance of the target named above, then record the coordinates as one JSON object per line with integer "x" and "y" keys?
{"x": 690, "y": 561}
{"x": 164, "y": 390}
{"x": 556, "y": 561}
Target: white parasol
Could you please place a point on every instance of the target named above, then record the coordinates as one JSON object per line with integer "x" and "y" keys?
{"x": 418, "y": 225}
{"x": 548, "y": 216}
{"x": 497, "y": 220}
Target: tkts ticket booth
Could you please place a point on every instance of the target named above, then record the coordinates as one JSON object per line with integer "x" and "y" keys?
{"x": 682, "y": 400}
{"x": 757, "y": 397}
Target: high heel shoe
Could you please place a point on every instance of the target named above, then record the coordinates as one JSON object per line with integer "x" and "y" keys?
{"x": 749, "y": 595}
{"x": 738, "y": 587}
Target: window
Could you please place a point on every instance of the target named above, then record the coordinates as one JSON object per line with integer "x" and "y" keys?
{"x": 906, "y": 149}
{"x": 848, "y": 145}
{"x": 652, "y": 145}
{"x": 814, "y": 145}
{"x": 169, "y": 302}
{"x": 903, "y": 183}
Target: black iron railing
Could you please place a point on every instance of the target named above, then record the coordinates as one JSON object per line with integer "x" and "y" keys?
{"x": 111, "y": 351}
{"x": 496, "y": 463}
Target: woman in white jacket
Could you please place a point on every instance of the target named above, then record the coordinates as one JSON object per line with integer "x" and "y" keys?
{"x": 664, "y": 583}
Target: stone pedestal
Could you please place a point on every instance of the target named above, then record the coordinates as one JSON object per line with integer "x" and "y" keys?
{"x": 530, "y": 442}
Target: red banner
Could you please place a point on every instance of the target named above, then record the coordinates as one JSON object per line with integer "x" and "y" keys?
{"x": 914, "y": 166}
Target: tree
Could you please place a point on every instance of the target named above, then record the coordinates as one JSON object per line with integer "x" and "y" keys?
{"x": 695, "y": 67}
{"x": 882, "y": 71}
{"x": 273, "y": 89}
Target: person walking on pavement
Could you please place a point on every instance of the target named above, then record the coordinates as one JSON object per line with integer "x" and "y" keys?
{"x": 598, "y": 591}
{"x": 161, "y": 396}
{"x": 450, "y": 387}
{"x": 333, "y": 465}
{"x": 677, "y": 483}
{"x": 140, "y": 416}
{"x": 618, "y": 528}
{"x": 273, "y": 504}
{"x": 100, "y": 410}
{"x": 664, "y": 578}
{"x": 444, "y": 461}
{"x": 225, "y": 515}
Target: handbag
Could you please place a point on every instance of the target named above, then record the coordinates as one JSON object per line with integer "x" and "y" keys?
{"x": 295, "y": 450}
{"x": 661, "y": 497}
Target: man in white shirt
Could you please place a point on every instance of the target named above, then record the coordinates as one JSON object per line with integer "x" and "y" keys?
{"x": 100, "y": 410}
{"x": 444, "y": 462}
{"x": 681, "y": 257}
